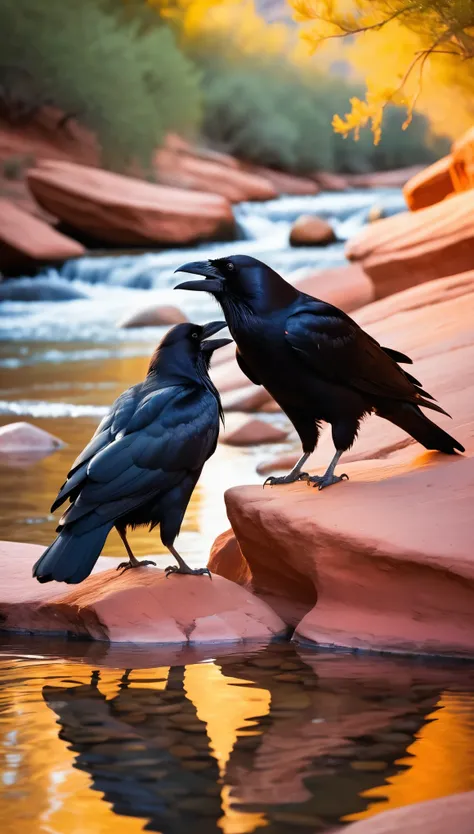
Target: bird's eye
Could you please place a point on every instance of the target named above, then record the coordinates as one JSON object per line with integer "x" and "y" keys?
{"x": 195, "y": 335}
{"x": 230, "y": 266}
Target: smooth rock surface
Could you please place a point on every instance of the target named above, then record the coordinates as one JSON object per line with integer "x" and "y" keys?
{"x": 153, "y": 316}
{"x": 308, "y": 230}
{"x": 248, "y": 399}
{"x": 388, "y": 555}
{"x": 253, "y": 433}
{"x": 348, "y": 287}
{"x": 127, "y": 211}
{"x": 25, "y": 437}
{"x": 411, "y": 248}
{"x": 383, "y": 179}
{"x": 26, "y": 241}
{"x": 330, "y": 182}
{"x": 140, "y": 606}
{"x": 437, "y": 816}
{"x": 285, "y": 183}
{"x": 462, "y": 166}
{"x": 429, "y": 186}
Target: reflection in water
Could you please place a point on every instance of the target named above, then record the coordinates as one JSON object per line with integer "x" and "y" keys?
{"x": 284, "y": 738}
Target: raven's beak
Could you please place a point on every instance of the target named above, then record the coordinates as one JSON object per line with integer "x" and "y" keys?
{"x": 209, "y": 330}
{"x": 213, "y": 282}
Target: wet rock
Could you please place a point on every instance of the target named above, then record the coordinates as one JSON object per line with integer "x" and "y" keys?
{"x": 254, "y": 433}
{"x": 348, "y": 287}
{"x": 24, "y": 443}
{"x": 226, "y": 559}
{"x": 139, "y": 606}
{"x": 26, "y": 241}
{"x": 125, "y": 211}
{"x": 411, "y": 248}
{"x": 417, "y": 593}
{"x": 39, "y": 289}
{"x": 308, "y": 230}
{"x": 437, "y": 816}
{"x": 431, "y": 185}
{"x": 153, "y": 316}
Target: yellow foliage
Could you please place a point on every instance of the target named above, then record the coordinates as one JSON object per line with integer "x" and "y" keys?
{"x": 411, "y": 52}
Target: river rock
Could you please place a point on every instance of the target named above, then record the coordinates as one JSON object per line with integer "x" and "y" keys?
{"x": 186, "y": 170}
{"x": 411, "y": 248}
{"x": 462, "y": 165}
{"x": 330, "y": 182}
{"x": 27, "y": 241}
{"x": 285, "y": 183}
{"x": 436, "y": 816}
{"x": 253, "y": 433}
{"x": 39, "y": 289}
{"x": 431, "y": 185}
{"x": 140, "y": 606}
{"x": 153, "y": 316}
{"x": 348, "y": 287}
{"x": 385, "y": 576}
{"x": 126, "y": 211}
{"x": 226, "y": 559}
{"x": 24, "y": 437}
{"x": 308, "y": 230}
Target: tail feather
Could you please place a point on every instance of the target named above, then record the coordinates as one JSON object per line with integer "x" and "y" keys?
{"x": 70, "y": 558}
{"x": 409, "y": 418}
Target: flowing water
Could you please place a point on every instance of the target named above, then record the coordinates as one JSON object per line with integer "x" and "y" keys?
{"x": 95, "y": 738}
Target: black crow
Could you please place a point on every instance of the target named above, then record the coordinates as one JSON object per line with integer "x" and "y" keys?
{"x": 144, "y": 460}
{"x": 314, "y": 360}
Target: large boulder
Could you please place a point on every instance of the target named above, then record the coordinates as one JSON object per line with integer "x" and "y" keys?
{"x": 388, "y": 555}
{"x": 153, "y": 316}
{"x": 431, "y": 185}
{"x": 27, "y": 241}
{"x": 253, "y": 433}
{"x": 348, "y": 287}
{"x": 436, "y": 816}
{"x": 462, "y": 165}
{"x": 191, "y": 171}
{"x": 285, "y": 183}
{"x": 123, "y": 210}
{"x": 383, "y": 179}
{"x": 411, "y": 248}
{"x": 22, "y": 444}
{"x": 308, "y": 230}
{"x": 138, "y": 606}
{"x": 330, "y": 182}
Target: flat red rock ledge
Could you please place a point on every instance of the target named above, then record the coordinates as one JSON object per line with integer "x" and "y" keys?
{"x": 139, "y": 606}
{"x": 437, "y": 816}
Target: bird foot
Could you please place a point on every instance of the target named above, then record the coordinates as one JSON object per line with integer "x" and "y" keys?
{"x": 323, "y": 481}
{"x": 187, "y": 571}
{"x": 286, "y": 479}
{"x": 129, "y": 565}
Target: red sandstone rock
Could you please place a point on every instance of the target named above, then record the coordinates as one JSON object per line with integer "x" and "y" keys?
{"x": 253, "y": 433}
{"x": 248, "y": 399}
{"x": 128, "y": 211}
{"x": 139, "y": 606}
{"x": 431, "y": 185}
{"x": 26, "y": 241}
{"x": 388, "y": 555}
{"x": 409, "y": 249}
{"x": 311, "y": 231}
{"x": 462, "y": 167}
{"x": 330, "y": 182}
{"x": 383, "y": 179}
{"x": 186, "y": 170}
{"x": 348, "y": 287}
{"x": 22, "y": 444}
{"x": 228, "y": 377}
{"x": 226, "y": 559}
{"x": 437, "y": 816}
{"x": 285, "y": 183}
{"x": 153, "y": 317}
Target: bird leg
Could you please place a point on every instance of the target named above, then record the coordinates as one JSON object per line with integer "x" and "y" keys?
{"x": 132, "y": 561}
{"x": 329, "y": 478}
{"x": 295, "y": 475}
{"x": 182, "y": 567}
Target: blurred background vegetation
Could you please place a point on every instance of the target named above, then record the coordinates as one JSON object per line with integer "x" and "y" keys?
{"x": 215, "y": 71}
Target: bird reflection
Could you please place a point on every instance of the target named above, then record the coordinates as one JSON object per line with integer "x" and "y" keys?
{"x": 145, "y": 749}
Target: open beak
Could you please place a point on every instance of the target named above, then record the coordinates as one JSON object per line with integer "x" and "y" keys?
{"x": 209, "y": 345}
{"x": 213, "y": 282}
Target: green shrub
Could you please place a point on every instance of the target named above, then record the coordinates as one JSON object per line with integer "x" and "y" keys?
{"x": 128, "y": 85}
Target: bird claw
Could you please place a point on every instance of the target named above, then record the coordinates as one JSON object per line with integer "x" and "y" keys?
{"x": 189, "y": 571}
{"x": 321, "y": 482}
{"x": 285, "y": 479}
{"x": 124, "y": 566}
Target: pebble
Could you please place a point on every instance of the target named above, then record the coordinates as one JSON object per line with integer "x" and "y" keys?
{"x": 371, "y": 767}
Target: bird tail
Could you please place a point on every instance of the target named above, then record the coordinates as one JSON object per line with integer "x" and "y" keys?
{"x": 412, "y": 420}
{"x": 70, "y": 558}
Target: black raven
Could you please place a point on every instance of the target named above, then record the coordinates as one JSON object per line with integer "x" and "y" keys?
{"x": 314, "y": 360}
{"x": 144, "y": 460}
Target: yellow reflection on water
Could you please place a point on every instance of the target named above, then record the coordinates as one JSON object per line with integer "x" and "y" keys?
{"x": 441, "y": 763}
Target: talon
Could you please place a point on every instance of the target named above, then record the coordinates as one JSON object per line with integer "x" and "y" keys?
{"x": 188, "y": 572}
{"x": 131, "y": 565}
{"x": 344, "y": 477}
